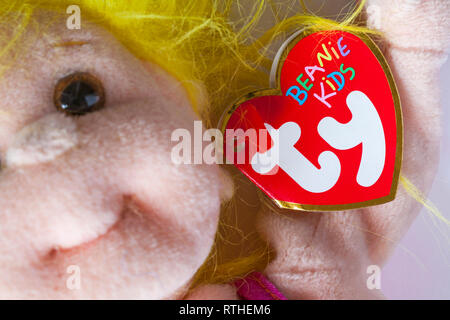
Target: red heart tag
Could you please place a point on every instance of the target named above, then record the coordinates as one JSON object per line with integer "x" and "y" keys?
{"x": 330, "y": 136}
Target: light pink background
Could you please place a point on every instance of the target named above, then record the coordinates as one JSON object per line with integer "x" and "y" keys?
{"x": 420, "y": 266}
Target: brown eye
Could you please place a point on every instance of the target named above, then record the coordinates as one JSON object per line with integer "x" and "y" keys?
{"x": 79, "y": 93}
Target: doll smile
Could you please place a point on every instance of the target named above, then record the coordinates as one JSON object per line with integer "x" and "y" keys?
{"x": 57, "y": 250}
{"x": 130, "y": 209}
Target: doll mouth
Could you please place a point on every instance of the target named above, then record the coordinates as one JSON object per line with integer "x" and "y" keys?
{"x": 57, "y": 251}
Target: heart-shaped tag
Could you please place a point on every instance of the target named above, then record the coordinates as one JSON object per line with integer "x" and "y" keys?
{"x": 330, "y": 136}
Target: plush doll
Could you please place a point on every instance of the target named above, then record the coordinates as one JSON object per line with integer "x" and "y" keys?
{"x": 93, "y": 207}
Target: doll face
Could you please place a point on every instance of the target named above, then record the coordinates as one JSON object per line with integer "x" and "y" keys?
{"x": 96, "y": 197}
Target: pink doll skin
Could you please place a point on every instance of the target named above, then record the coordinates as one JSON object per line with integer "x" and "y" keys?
{"x": 100, "y": 192}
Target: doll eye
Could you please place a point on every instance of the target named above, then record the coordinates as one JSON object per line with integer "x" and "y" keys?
{"x": 79, "y": 93}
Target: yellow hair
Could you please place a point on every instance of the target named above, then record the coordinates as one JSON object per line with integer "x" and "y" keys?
{"x": 220, "y": 46}
{"x": 197, "y": 41}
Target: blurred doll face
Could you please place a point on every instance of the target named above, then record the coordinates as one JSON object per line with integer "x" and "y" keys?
{"x": 92, "y": 206}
